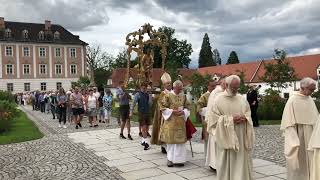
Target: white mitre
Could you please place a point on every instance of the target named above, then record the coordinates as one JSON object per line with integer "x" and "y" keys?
{"x": 165, "y": 78}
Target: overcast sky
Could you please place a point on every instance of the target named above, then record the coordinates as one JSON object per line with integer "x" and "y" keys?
{"x": 252, "y": 28}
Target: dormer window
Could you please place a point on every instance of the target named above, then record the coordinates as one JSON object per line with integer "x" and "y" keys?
{"x": 25, "y": 34}
{"x": 56, "y": 35}
{"x": 41, "y": 35}
{"x": 8, "y": 33}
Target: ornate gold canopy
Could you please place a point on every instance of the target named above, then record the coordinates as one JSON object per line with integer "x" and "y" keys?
{"x": 143, "y": 42}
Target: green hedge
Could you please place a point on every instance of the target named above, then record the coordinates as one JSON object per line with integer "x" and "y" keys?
{"x": 5, "y": 95}
{"x": 8, "y": 111}
{"x": 271, "y": 107}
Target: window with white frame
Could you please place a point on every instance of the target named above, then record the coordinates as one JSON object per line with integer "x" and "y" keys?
{"x": 73, "y": 69}
{"x": 10, "y": 87}
{"x": 26, "y": 51}
{"x": 42, "y": 52}
{"x": 58, "y": 52}
{"x": 58, "y": 68}
{"x": 43, "y": 86}
{"x": 56, "y": 35}
{"x": 9, "y": 50}
{"x": 25, "y": 34}
{"x": 42, "y": 69}
{"x": 9, "y": 69}
{"x": 26, "y": 86}
{"x": 26, "y": 69}
{"x": 73, "y": 52}
{"x": 8, "y": 33}
{"x": 41, "y": 35}
{"x": 59, "y": 85}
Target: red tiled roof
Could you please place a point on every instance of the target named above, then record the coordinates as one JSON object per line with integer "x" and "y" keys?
{"x": 225, "y": 70}
{"x": 304, "y": 66}
{"x": 119, "y": 74}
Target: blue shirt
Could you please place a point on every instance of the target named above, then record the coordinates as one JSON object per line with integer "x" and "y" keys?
{"x": 144, "y": 101}
{"x": 121, "y": 95}
{"x": 107, "y": 102}
{"x": 41, "y": 98}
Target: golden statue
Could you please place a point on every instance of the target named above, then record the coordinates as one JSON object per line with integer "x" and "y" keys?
{"x": 145, "y": 51}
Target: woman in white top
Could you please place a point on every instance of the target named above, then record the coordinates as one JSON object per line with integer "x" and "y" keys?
{"x": 92, "y": 104}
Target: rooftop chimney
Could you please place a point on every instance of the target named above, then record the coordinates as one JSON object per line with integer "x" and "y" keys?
{"x": 47, "y": 25}
{"x": 2, "y": 25}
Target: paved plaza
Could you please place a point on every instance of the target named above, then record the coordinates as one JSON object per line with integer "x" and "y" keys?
{"x": 98, "y": 153}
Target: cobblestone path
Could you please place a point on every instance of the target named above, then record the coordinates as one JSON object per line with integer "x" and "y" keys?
{"x": 56, "y": 156}
{"x": 53, "y": 157}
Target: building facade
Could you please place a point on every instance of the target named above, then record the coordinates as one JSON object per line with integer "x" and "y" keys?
{"x": 39, "y": 57}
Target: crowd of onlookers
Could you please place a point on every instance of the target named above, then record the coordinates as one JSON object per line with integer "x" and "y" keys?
{"x": 71, "y": 105}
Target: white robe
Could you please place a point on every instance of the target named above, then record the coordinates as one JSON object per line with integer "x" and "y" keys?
{"x": 176, "y": 153}
{"x": 233, "y": 141}
{"x": 314, "y": 147}
{"x": 299, "y": 116}
{"x": 210, "y": 155}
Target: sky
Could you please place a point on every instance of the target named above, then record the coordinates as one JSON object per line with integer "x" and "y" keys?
{"x": 252, "y": 28}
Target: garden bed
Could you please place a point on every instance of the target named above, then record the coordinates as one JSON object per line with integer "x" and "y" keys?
{"x": 21, "y": 129}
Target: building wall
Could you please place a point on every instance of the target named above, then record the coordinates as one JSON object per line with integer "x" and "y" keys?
{"x": 18, "y": 78}
{"x": 35, "y": 84}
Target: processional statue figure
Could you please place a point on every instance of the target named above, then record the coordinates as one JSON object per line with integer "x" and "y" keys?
{"x": 143, "y": 42}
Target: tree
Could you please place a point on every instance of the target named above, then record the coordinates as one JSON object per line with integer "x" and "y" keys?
{"x": 233, "y": 58}
{"x": 83, "y": 82}
{"x": 206, "y": 56}
{"x": 243, "y": 89}
{"x": 199, "y": 84}
{"x": 121, "y": 60}
{"x": 279, "y": 74}
{"x": 97, "y": 59}
{"x": 179, "y": 52}
{"x": 101, "y": 76}
{"x": 216, "y": 56}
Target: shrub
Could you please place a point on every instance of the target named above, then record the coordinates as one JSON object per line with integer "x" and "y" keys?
{"x": 271, "y": 106}
{"x": 5, "y": 95}
{"x": 7, "y": 112}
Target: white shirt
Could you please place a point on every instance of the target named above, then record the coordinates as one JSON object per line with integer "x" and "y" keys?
{"x": 92, "y": 102}
{"x": 96, "y": 94}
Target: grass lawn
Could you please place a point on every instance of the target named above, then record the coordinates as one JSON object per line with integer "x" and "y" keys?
{"x": 269, "y": 122}
{"x": 194, "y": 120}
{"x": 22, "y": 129}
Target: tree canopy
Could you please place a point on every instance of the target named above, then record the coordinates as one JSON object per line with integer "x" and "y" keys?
{"x": 278, "y": 74}
{"x": 179, "y": 52}
{"x": 206, "y": 55}
{"x": 233, "y": 58}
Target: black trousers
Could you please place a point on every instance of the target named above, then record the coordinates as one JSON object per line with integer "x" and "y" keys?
{"x": 42, "y": 106}
{"x": 254, "y": 115}
{"x": 34, "y": 105}
{"x": 53, "y": 111}
{"x": 62, "y": 115}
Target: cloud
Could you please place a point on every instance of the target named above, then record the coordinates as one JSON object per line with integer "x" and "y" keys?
{"x": 252, "y": 28}
{"x": 74, "y": 14}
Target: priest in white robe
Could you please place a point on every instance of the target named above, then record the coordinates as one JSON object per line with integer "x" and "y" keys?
{"x": 232, "y": 128}
{"x": 299, "y": 116}
{"x": 175, "y": 112}
{"x": 314, "y": 148}
{"x": 210, "y": 159}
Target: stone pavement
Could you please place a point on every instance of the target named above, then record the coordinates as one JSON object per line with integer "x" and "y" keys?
{"x": 98, "y": 153}
{"x": 135, "y": 163}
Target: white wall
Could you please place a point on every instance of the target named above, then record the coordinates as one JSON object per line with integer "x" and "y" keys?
{"x": 18, "y": 84}
{"x": 264, "y": 86}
